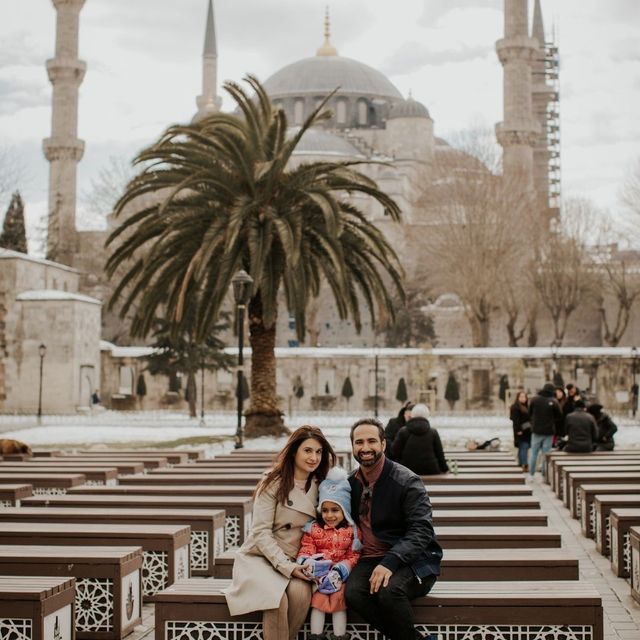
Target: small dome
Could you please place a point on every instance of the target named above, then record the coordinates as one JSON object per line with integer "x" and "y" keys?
{"x": 409, "y": 108}
{"x": 319, "y": 142}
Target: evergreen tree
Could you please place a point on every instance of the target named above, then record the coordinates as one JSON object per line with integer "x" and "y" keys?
{"x": 13, "y": 235}
{"x": 401, "y": 391}
{"x": 347, "y": 390}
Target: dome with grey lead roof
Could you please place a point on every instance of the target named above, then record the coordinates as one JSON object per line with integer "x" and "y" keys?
{"x": 409, "y": 108}
{"x": 319, "y": 142}
{"x": 322, "y": 74}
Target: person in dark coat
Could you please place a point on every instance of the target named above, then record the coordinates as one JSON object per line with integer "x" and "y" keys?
{"x": 606, "y": 427}
{"x": 521, "y": 421}
{"x": 570, "y": 403}
{"x": 395, "y": 424}
{"x": 545, "y": 413}
{"x": 582, "y": 431}
{"x": 418, "y": 447}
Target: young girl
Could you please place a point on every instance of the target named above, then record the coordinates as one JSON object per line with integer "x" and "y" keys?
{"x": 329, "y": 549}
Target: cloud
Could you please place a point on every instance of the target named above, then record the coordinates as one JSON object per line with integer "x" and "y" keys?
{"x": 19, "y": 50}
{"x": 413, "y": 56}
{"x": 18, "y": 94}
{"x": 434, "y": 10}
{"x": 626, "y": 50}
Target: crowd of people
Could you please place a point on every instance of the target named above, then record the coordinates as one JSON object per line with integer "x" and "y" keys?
{"x": 558, "y": 417}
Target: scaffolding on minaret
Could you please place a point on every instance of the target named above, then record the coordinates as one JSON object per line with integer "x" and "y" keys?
{"x": 552, "y": 78}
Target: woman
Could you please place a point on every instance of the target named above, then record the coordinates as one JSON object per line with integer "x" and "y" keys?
{"x": 520, "y": 419}
{"x": 394, "y": 425}
{"x": 265, "y": 574}
{"x": 418, "y": 446}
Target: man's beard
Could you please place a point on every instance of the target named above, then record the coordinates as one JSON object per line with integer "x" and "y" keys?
{"x": 370, "y": 462}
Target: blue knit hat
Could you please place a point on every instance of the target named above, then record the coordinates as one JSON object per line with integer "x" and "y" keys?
{"x": 336, "y": 488}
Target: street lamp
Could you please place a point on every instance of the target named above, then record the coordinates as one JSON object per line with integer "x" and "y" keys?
{"x": 376, "y": 382}
{"x": 42, "y": 351}
{"x": 554, "y": 359}
{"x": 202, "y": 422}
{"x": 241, "y": 282}
{"x": 634, "y": 386}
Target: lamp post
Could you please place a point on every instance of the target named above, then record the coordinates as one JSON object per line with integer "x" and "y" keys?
{"x": 42, "y": 351}
{"x": 634, "y": 385}
{"x": 375, "y": 380}
{"x": 202, "y": 422}
{"x": 554, "y": 359}
{"x": 241, "y": 282}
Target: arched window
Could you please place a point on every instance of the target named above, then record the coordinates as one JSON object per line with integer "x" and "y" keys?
{"x": 298, "y": 111}
{"x": 362, "y": 112}
{"x": 341, "y": 112}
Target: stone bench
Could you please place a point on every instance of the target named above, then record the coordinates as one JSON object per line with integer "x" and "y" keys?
{"x": 586, "y": 495}
{"x": 473, "y": 478}
{"x": 12, "y": 494}
{"x": 94, "y": 475}
{"x": 544, "y": 610}
{"x": 575, "y": 480}
{"x": 602, "y": 505}
{"x": 557, "y": 478}
{"x": 207, "y": 526}
{"x": 635, "y": 563}
{"x": 621, "y": 522}
{"x": 45, "y": 483}
{"x": 122, "y": 466}
{"x": 165, "y": 547}
{"x": 484, "y": 502}
{"x": 145, "y": 461}
{"x": 554, "y": 456}
{"x": 478, "y": 489}
{"x": 108, "y": 594}
{"x": 489, "y": 517}
{"x": 174, "y": 456}
{"x": 238, "y": 509}
{"x": 36, "y": 608}
{"x": 615, "y": 467}
{"x": 153, "y": 484}
{"x": 482, "y": 565}
{"x": 488, "y": 537}
{"x": 198, "y": 476}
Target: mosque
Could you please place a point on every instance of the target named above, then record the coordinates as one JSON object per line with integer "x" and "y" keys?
{"x": 371, "y": 120}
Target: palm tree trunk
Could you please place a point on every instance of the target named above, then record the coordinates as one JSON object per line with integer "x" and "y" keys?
{"x": 263, "y": 416}
{"x": 192, "y": 393}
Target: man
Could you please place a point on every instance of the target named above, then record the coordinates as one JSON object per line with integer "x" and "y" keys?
{"x": 570, "y": 402}
{"x": 400, "y": 553}
{"x": 582, "y": 430}
{"x": 544, "y": 413}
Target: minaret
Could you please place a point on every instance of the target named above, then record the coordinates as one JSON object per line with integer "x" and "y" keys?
{"x": 518, "y": 132}
{"x": 209, "y": 102}
{"x": 543, "y": 94}
{"x": 63, "y": 149}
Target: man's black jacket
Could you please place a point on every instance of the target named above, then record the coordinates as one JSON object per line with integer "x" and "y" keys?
{"x": 401, "y": 517}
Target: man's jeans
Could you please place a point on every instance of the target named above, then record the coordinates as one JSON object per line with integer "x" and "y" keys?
{"x": 539, "y": 443}
{"x": 389, "y": 610}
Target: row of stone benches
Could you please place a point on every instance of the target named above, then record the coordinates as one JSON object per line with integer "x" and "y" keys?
{"x": 559, "y": 605}
{"x": 604, "y": 493}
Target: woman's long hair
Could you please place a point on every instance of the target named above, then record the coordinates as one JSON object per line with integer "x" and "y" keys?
{"x": 284, "y": 466}
{"x": 523, "y": 407}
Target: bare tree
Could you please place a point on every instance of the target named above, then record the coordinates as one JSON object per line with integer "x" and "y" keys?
{"x": 564, "y": 275}
{"x": 479, "y": 227}
{"x": 618, "y": 275}
{"x": 630, "y": 193}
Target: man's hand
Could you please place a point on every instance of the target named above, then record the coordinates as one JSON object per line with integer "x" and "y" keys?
{"x": 299, "y": 572}
{"x": 379, "y": 578}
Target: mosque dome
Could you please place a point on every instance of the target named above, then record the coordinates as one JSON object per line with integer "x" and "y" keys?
{"x": 321, "y": 74}
{"x": 409, "y": 108}
{"x": 320, "y": 142}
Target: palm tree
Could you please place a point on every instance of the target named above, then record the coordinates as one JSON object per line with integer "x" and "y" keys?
{"x": 220, "y": 195}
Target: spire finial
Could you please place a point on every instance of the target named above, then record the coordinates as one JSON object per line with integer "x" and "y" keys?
{"x": 537, "y": 29}
{"x": 327, "y": 49}
{"x": 210, "y": 46}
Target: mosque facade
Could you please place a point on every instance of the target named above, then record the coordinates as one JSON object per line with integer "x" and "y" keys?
{"x": 371, "y": 121}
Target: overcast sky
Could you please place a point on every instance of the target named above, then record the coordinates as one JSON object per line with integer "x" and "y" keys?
{"x": 144, "y": 71}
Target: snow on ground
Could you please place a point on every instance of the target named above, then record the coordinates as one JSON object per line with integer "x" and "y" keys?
{"x": 158, "y": 428}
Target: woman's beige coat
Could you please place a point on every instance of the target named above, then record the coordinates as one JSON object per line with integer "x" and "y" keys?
{"x": 263, "y": 565}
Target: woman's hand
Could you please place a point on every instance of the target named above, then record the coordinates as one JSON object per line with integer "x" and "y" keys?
{"x": 299, "y": 572}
